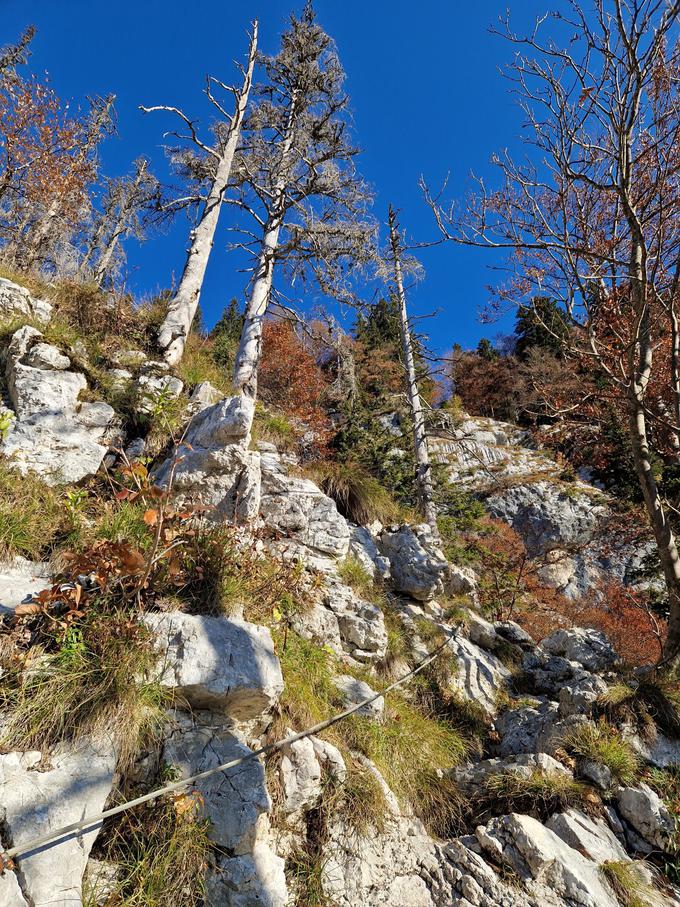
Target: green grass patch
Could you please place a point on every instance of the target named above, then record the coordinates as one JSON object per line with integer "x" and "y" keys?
{"x": 540, "y": 794}
{"x": 630, "y": 883}
{"x": 603, "y": 744}
{"x": 32, "y": 516}
{"x": 358, "y": 495}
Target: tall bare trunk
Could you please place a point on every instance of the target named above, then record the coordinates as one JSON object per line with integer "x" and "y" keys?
{"x": 250, "y": 346}
{"x": 675, "y": 376}
{"x": 174, "y": 330}
{"x": 424, "y": 483}
{"x": 106, "y": 257}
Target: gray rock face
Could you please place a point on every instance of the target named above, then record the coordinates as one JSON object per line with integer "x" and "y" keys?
{"x": 480, "y": 676}
{"x": 474, "y": 776}
{"x": 547, "y": 515}
{"x": 203, "y": 396}
{"x": 536, "y": 852}
{"x": 19, "y": 580}
{"x": 361, "y": 625}
{"x": 213, "y": 465}
{"x": 300, "y": 776}
{"x": 17, "y": 302}
{"x": 220, "y": 664}
{"x": 589, "y": 648}
{"x": 578, "y": 697}
{"x": 300, "y": 511}
{"x": 362, "y": 546}
{"x": 34, "y": 800}
{"x": 233, "y": 800}
{"x": 355, "y": 691}
{"x": 53, "y": 435}
{"x": 418, "y": 568}
{"x": 522, "y": 729}
{"x": 590, "y": 836}
{"x": 257, "y": 878}
{"x": 10, "y": 892}
{"x": 645, "y": 811}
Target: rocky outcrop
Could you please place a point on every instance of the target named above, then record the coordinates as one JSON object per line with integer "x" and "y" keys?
{"x": 20, "y": 579}
{"x": 417, "y": 567}
{"x": 16, "y": 303}
{"x": 38, "y": 795}
{"x": 220, "y": 664}
{"x": 54, "y": 434}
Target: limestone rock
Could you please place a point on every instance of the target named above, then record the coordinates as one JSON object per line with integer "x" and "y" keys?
{"x": 590, "y": 648}
{"x": 298, "y": 509}
{"x": 10, "y": 891}
{"x": 590, "y": 836}
{"x": 53, "y": 435}
{"x": 536, "y": 852}
{"x": 471, "y": 777}
{"x": 362, "y": 546}
{"x": 216, "y": 663}
{"x": 213, "y": 465}
{"x": 361, "y": 624}
{"x": 418, "y": 568}
{"x": 480, "y": 675}
{"x": 17, "y": 302}
{"x": 645, "y": 811}
{"x": 19, "y": 580}
{"x": 355, "y": 691}
{"x": 34, "y": 800}
{"x": 330, "y": 759}
{"x": 150, "y": 389}
{"x": 300, "y": 775}
{"x": 578, "y": 697}
{"x": 203, "y": 396}
{"x": 233, "y": 800}
{"x": 257, "y": 878}
{"x": 521, "y": 730}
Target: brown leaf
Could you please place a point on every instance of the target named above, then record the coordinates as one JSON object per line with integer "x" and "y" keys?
{"x": 151, "y": 517}
{"x": 27, "y": 608}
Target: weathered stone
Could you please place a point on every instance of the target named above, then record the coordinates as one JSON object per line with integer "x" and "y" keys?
{"x": 17, "y": 302}
{"x": 233, "y": 800}
{"x": 480, "y": 675}
{"x": 480, "y": 631}
{"x": 598, "y": 775}
{"x": 589, "y": 648}
{"x": 462, "y": 580}
{"x": 35, "y": 799}
{"x": 218, "y": 663}
{"x": 471, "y": 777}
{"x": 10, "y": 891}
{"x": 578, "y": 697}
{"x": 521, "y": 729}
{"x": 588, "y": 835}
{"x": 362, "y": 546}
{"x": 298, "y": 509}
{"x": 354, "y": 691}
{"x": 257, "y": 878}
{"x": 151, "y": 389}
{"x": 418, "y": 568}
{"x": 46, "y": 356}
{"x": 536, "y": 852}
{"x": 644, "y": 810}
{"x": 300, "y": 775}
{"x": 19, "y": 580}
{"x": 203, "y": 396}
{"x": 660, "y": 752}
{"x": 512, "y": 632}
{"x": 360, "y": 623}
{"x": 330, "y": 759}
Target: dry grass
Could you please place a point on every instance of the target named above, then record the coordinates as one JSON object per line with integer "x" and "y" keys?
{"x": 603, "y": 744}
{"x": 358, "y": 496}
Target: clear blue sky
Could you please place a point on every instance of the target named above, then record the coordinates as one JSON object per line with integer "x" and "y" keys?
{"x": 426, "y": 94}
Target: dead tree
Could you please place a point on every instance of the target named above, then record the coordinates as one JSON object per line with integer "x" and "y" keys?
{"x": 128, "y": 205}
{"x": 424, "y": 483}
{"x": 298, "y": 182}
{"x": 592, "y": 217}
{"x": 14, "y": 55}
{"x": 217, "y": 162}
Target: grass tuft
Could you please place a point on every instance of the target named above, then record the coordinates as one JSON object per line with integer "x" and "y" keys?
{"x": 32, "y": 515}
{"x": 541, "y": 794}
{"x": 358, "y": 495}
{"x": 630, "y": 883}
{"x": 603, "y": 744}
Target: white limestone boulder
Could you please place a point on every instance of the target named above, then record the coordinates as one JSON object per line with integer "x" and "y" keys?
{"x": 417, "y": 567}
{"x": 217, "y": 663}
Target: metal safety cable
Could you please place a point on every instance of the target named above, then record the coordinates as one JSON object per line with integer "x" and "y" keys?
{"x": 90, "y": 821}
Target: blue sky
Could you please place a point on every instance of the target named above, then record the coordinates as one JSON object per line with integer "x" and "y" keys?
{"x": 426, "y": 94}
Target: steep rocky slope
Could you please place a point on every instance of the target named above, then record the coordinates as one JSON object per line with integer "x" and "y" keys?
{"x": 510, "y": 774}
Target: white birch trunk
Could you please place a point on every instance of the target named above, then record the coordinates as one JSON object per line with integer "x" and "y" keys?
{"x": 173, "y": 333}
{"x": 250, "y": 346}
{"x": 424, "y": 483}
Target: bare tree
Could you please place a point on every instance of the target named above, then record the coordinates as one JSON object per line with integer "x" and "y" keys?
{"x": 592, "y": 215}
{"x": 214, "y": 165}
{"x": 128, "y": 205}
{"x": 298, "y": 182}
{"x": 424, "y": 484}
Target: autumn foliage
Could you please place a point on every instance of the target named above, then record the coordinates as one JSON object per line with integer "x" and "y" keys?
{"x": 291, "y": 380}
